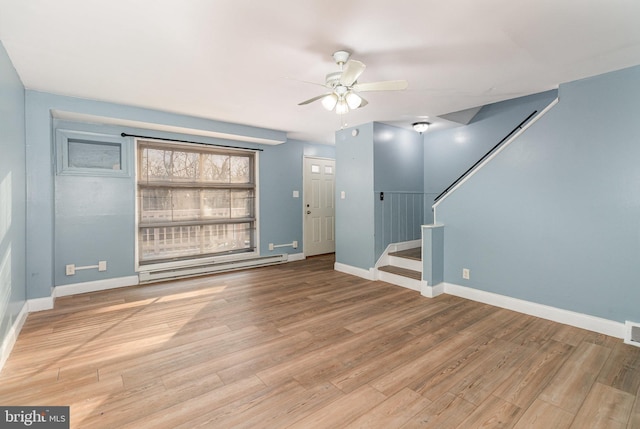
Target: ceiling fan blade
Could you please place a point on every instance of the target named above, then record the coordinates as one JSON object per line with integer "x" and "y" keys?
{"x": 387, "y": 85}
{"x": 311, "y": 100}
{"x": 305, "y": 81}
{"x": 352, "y": 71}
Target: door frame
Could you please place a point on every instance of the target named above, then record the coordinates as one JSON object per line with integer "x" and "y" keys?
{"x": 304, "y": 208}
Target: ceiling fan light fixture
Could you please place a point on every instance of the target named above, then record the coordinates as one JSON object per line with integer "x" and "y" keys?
{"x": 353, "y": 100}
{"x": 421, "y": 127}
{"x": 330, "y": 101}
{"x": 342, "y": 107}
{"x": 343, "y": 88}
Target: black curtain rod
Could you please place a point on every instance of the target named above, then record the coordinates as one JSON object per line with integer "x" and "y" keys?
{"x": 188, "y": 141}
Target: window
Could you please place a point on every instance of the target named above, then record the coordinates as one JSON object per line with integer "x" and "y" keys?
{"x": 194, "y": 201}
{"x": 90, "y": 154}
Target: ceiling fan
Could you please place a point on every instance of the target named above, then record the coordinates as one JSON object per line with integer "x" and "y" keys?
{"x": 344, "y": 87}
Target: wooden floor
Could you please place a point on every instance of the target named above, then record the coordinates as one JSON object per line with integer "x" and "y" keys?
{"x": 300, "y": 345}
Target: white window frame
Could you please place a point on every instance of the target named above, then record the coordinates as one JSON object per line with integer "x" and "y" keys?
{"x": 206, "y": 260}
{"x": 64, "y": 137}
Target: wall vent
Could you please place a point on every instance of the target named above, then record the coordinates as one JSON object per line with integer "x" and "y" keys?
{"x": 632, "y": 333}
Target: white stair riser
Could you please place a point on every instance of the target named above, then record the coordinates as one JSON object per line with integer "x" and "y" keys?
{"x": 399, "y": 280}
{"x": 410, "y": 264}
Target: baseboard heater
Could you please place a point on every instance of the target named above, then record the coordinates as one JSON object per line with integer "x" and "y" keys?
{"x": 202, "y": 269}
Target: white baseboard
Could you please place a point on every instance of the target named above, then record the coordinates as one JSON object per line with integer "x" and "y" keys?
{"x": 431, "y": 291}
{"x": 292, "y": 257}
{"x": 579, "y": 320}
{"x": 40, "y": 304}
{"x": 12, "y": 335}
{"x": 355, "y": 271}
{"x": 94, "y": 286}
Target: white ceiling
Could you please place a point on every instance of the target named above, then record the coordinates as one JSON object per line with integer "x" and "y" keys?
{"x": 243, "y": 61}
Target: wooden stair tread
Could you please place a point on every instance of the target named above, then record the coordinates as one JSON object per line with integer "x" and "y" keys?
{"x": 415, "y": 254}
{"x": 416, "y": 275}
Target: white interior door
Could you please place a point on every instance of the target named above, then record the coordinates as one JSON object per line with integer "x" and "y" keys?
{"x": 319, "y": 206}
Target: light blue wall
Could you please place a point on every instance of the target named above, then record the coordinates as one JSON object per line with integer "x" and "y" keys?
{"x": 82, "y": 220}
{"x": 280, "y": 175}
{"x": 449, "y": 153}
{"x": 398, "y": 159}
{"x": 12, "y": 195}
{"x": 555, "y": 218}
{"x": 94, "y": 216}
{"x": 355, "y": 243}
{"x": 381, "y": 158}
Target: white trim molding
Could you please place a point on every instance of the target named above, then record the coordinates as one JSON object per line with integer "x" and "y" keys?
{"x": 296, "y": 257}
{"x": 399, "y": 280}
{"x": 355, "y": 271}
{"x": 12, "y": 335}
{"x": 40, "y": 304}
{"x": 567, "y": 317}
{"x": 94, "y": 286}
{"x": 431, "y": 291}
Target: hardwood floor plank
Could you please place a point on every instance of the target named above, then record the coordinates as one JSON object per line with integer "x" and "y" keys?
{"x": 443, "y": 374}
{"x": 302, "y": 345}
{"x": 544, "y": 415}
{"x": 408, "y": 302}
{"x": 621, "y": 368}
{"x": 287, "y": 370}
{"x": 396, "y": 379}
{"x": 493, "y": 413}
{"x": 241, "y": 364}
{"x": 352, "y": 379}
{"x": 604, "y": 407}
{"x": 479, "y": 386}
{"x": 570, "y": 335}
{"x": 524, "y": 386}
{"x": 236, "y": 413}
{"x": 171, "y": 417}
{"x": 573, "y": 381}
{"x": 634, "y": 419}
{"x": 291, "y": 410}
{"x": 393, "y": 412}
{"x": 342, "y": 411}
{"x": 341, "y": 362}
{"x": 447, "y": 412}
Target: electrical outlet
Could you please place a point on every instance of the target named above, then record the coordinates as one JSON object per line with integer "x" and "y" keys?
{"x": 466, "y": 273}
{"x": 102, "y": 265}
{"x": 295, "y": 244}
{"x": 270, "y": 246}
{"x": 70, "y": 269}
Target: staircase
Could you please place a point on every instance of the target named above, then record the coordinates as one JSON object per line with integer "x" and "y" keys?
{"x": 402, "y": 268}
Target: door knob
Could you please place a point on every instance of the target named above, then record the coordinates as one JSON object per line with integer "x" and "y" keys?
{"x": 308, "y": 211}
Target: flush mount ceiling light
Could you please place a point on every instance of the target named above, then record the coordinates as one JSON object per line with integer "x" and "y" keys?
{"x": 421, "y": 127}
{"x": 344, "y": 87}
